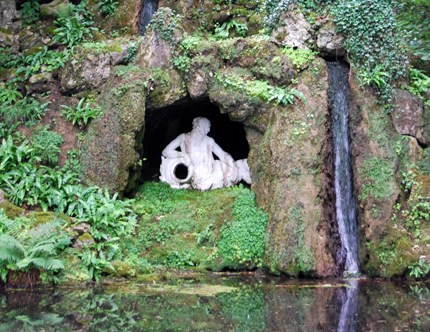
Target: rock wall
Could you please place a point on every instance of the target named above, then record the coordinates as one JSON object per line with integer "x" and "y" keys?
{"x": 293, "y": 180}
{"x": 380, "y": 155}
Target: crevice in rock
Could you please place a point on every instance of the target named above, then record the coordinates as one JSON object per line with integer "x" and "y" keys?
{"x": 165, "y": 124}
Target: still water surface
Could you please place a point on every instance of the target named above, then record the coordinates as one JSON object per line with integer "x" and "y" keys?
{"x": 222, "y": 304}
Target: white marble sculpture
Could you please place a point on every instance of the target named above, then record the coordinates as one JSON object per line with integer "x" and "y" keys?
{"x": 196, "y": 153}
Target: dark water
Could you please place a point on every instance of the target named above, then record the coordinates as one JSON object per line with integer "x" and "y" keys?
{"x": 251, "y": 305}
{"x": 345, "y": 200}
{"x": 149, "y": 7}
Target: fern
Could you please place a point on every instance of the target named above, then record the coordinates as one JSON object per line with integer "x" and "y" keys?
{"x": 30, "y": 248}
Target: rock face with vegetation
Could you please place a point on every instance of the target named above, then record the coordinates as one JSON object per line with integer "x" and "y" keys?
{"x": 79, "y": 94}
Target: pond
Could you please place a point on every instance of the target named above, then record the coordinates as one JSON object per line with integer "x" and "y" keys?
{"x": 222, "y": 303}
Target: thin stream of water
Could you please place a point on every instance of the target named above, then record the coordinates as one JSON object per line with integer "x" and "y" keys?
{"x": 149, "y": 7}
{"x": 345, "y": 199}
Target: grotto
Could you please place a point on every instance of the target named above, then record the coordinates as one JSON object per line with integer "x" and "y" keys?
{"x": 327, "y": 101}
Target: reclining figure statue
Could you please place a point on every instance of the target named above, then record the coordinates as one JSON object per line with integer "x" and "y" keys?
{"x": 203, "y": 171}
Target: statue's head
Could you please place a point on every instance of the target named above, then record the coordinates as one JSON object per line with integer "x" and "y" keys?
{"x": 202, "y": 124}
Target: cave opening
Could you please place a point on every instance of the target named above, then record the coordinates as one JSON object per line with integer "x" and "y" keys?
{"x": 164, "y": 125}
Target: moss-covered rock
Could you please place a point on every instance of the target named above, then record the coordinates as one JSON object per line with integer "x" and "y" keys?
{"x": 87, "y": 70}
{"x": 120, "y": 269}
{"x": 83, "y": 241}
{"x": 379, "y": 155}
{"x": 112, "y": 145}
{"x": 291, "y": 172}
{"x": 10, "y": 210}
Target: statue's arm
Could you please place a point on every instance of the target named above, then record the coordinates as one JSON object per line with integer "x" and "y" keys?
{"x": 170, "y": 150}
{"x": 223, "y": 156}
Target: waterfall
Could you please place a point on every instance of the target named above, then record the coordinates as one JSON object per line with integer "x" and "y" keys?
{"x": 149, "y": 7}
{"x": 345, "y": 200}
{"x": 348, "y": 314}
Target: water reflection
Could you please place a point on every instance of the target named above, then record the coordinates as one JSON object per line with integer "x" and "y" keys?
{"x": 222, "y": 304}
{"x": 349, "y": 312}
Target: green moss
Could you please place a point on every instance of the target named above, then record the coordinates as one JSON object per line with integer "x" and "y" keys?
{"x": 114, "y": 48}
{"x": 6, "y": 31}
{"x": 391, "y": 256}
{"x": 151, "y": 278}
{"x": 86, "y": 237}
{"x": 33, "y": 50}
{"x": 120, "y": 269}
{"x": 181, "y": 227}
{"x": 44, "y": 12}
{"x": 10, "y": 210}
{"x": 50, "y": 31}
{"x": 377, "y": 176}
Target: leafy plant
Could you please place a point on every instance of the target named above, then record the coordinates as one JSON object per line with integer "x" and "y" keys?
{"x": 30, "y": 13}
{"x": 243, "y": 240}
{"x": 27, "y": 109}
{"x": 260, "y": 89}
{"x": 108, "y": 216}
{"x": 46, "y": 145}
{"x": 420, "y": 82}
{"x": 73, "y": 29}
{"x": 414, "y": 18}
{"x": 108, "y": 6}
{"x": 177, "y": 259}
{"x": 299, "y": 57}
{"x": 25, "y": 249}
{"x": 81, "y": 114}
{"x": 187, "y": 44}
{"x": 376, "y": 77}
{"x": 223, "y": 31}
{"x": 94, "y": 264}
{"x": 419, "y": 269}
{"x": 164, "y": 23}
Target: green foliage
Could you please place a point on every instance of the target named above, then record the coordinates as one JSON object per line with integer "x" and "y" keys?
{"x": 176, "y": 259}
{"x": 260, "y": 89}
{"x": 376, "y": 77}
{"x": 418, "y": 207}
{"x": 420, "y": 82}
{"x": 131, "y": 53}
{"x": 6, "y": 131}
{"x": 108, "y": 216}
{"x": 205, "y": 235}
{"x": 299, "y": 57}
{"x": 46, "y": 145}
{"x": 23, "y": 248}
{"x": 243, "y": 240}
{"x": 26, "y": 183}
{"x": 81, "y": 114}
{"x": 50, "y": 60}
{"x": 28, "y": 110}
{"x": 94, "y": 264}
{"x": 374, "y": 41}
{"x": 378, "y": 178}
{"x": 164, "y": 22}
{"x": 30, "y": 13}
{"x": 274, "y": 9}
{"x": 15, "y": 108}
{"x": 414, "y": 17}
{"x": 74, "y": 25}
{"x": 108, "y": 6}
{"x": 223, "y": 31}
{"x": 187, "y": 44}
{"x": 419, "y": 269}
